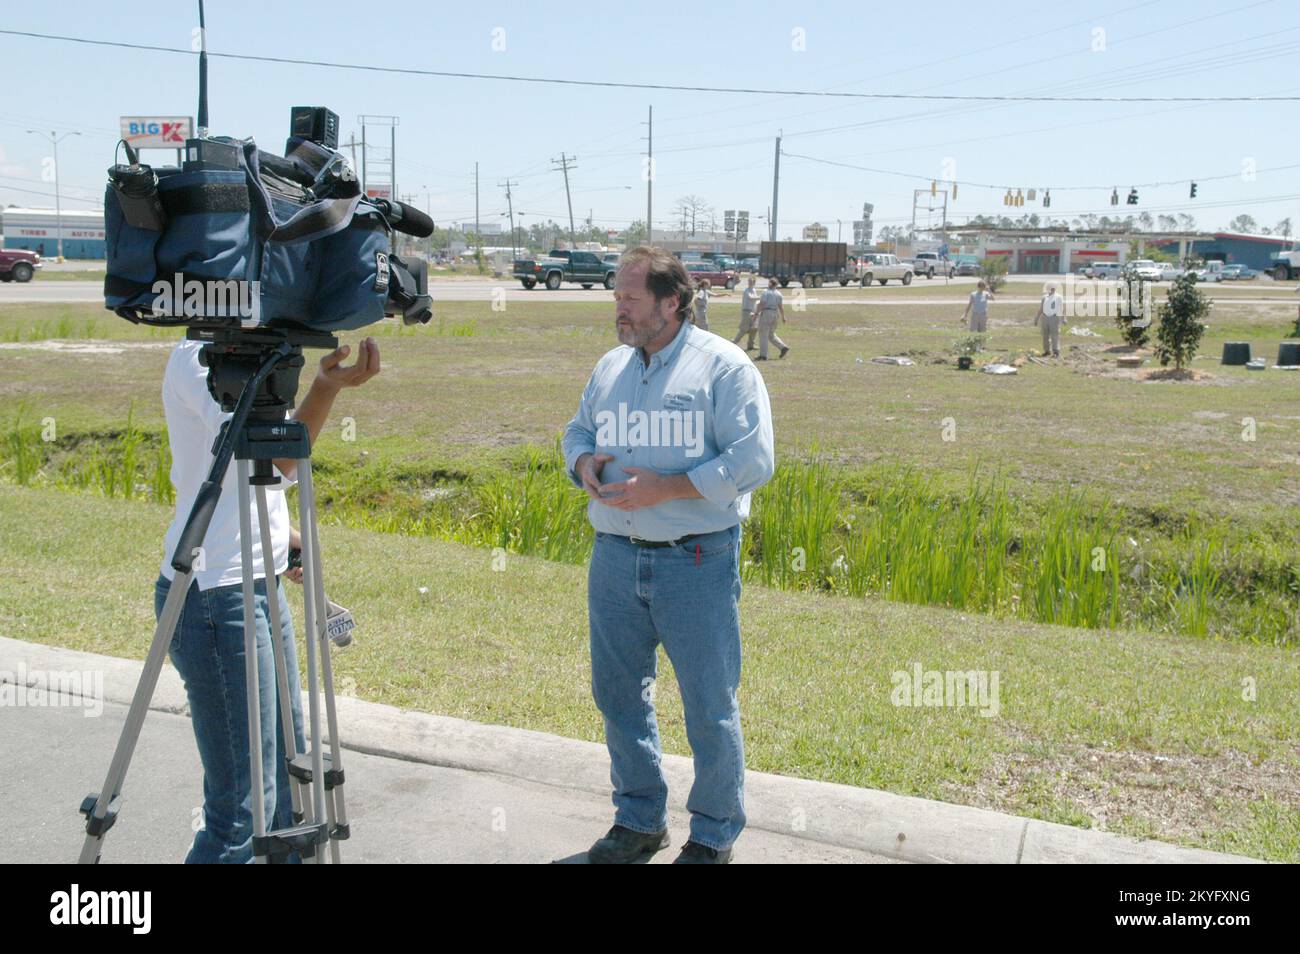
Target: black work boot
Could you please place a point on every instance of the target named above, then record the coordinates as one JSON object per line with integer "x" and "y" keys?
{"x": 622, "y": 846}
{"x": 693, "y": 853}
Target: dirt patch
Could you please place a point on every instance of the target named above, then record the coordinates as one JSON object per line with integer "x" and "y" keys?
{"x": 1180, "y": 797}
{"x": 85, "y": 347}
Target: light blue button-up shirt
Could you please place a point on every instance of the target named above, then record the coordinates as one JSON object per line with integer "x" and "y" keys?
{"x": 698, "y": 408}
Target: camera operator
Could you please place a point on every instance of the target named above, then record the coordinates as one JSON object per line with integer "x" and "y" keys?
{"x": 207, "y": 648}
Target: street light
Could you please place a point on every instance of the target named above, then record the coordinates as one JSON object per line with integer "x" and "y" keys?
{"x": 58, "y": 204}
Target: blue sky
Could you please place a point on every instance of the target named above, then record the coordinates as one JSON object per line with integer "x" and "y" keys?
{"x": 718, "y": 146}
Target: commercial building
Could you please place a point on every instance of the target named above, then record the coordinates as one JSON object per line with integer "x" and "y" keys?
{"x": 37, "y": 230}
{"x": 1253, "y": 251}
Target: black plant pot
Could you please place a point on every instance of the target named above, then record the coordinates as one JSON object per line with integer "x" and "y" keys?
{"x": 964, "y": 362}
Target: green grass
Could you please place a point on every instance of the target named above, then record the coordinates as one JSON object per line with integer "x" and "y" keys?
{"x": 1079, "y": 709}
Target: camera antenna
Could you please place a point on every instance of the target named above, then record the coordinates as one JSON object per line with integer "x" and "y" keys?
{"x": 203, "y": 75}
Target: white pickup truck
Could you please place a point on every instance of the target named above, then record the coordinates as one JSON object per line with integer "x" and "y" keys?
{"x": 930, "y": 264}
{"x": 881, "y": 267}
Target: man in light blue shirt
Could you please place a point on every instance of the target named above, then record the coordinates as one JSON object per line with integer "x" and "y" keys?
{"x": 672, "y": 436}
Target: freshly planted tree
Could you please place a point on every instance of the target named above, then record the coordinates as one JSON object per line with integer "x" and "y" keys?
{"x": 1134, "y": 314}
{"x": 994, "y": 271}
{"x": 1179, "y": 334}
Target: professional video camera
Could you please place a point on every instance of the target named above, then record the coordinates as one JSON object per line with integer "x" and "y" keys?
{"x": 237, "y": 235}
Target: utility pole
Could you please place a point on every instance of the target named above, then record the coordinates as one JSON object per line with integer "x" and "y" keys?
{"x": 511, "y": 206}
{"x": 352, "y": 145}
{"x": 478, "y": 237}
{"x": 650, "y": 177}
{"x": 58, "y": 202}
{"x": 566, "y": 163}
{"x": 776, "y": 184}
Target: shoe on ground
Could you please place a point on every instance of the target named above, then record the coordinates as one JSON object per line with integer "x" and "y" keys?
{"x": 761, "y": 357}
{"x": 783, "y": 352}
{"x": 693, "y": 853}
{"x": 750, "y": 348}
{"x": 622, "y": 846}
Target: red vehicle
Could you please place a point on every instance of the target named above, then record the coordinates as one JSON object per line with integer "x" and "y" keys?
{"x": 18, "y": 265}
{"x": 718, "y": 277}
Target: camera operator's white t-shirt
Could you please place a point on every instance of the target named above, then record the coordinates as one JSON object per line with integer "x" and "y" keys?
{"x": 193, "y": 422}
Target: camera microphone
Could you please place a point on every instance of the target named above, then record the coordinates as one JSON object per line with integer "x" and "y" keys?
{"x": 405, "y": 218}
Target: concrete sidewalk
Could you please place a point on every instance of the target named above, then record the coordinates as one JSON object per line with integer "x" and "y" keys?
{"x": 425, "y": 788}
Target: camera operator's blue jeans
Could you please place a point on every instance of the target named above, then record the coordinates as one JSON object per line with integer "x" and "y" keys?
{"x": 208, "y": 652}
{"x": 686, "y": 599}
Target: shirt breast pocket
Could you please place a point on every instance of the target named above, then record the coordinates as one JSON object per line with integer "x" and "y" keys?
{"x": 679, "y": 433}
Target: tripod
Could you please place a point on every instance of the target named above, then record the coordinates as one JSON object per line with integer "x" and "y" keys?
{"x": 260, "y": 366}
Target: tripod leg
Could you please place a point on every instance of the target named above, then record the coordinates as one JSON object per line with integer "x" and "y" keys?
{"x": 144, "y": 690}
{"x": 335, "y": 806}
{"x": 313, "y": 610}
{"x": 253, "y": 694}
{"x": 288, "y": 731}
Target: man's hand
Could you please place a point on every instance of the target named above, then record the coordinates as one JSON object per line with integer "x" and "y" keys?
{"x": 589, "y": 467}
{"x": 334, "y": 375}
{"x": 646, "y": 488}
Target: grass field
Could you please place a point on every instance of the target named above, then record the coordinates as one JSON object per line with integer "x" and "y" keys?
{"x": 1143, "y": 730}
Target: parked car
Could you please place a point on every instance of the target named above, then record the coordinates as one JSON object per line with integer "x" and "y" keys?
{"x": 1144, "y": 268}
{"x": 967, "y": 266}
{"x": 930, "y": 264}
{"x": 1169, "y": 272}
{"x": 562, "y": 265}
{"x": 1106, "y": 270}
{"x": 1209, "y": 272}
{"x": 612, "y": 257}
{"x": 1235, "y": 273}
{"x": 881, "y": 267}
{"x": 718, "y": 277}
{"x": 18, "y": 264}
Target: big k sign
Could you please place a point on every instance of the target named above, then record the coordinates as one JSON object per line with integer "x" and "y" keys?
{"x": 157, "y": 132}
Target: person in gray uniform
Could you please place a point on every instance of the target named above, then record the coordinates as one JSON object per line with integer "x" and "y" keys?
{"x": 771, "y": 309}
{"x": 701, "y": 304}
{"x": 748, "y": 308}
{"x": 977, "y": 307}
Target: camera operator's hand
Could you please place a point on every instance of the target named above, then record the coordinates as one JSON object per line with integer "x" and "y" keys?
{"x": 589, "y": 467}
{"x": 334, "y": 374}
{"x": 332, "y": 377}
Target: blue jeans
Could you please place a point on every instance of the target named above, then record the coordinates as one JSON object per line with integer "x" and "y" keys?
{"x": 685, "y": 597}
{"x": 207, "y": 650}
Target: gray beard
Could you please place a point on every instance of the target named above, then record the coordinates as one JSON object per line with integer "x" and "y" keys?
{"x": 640, "y": 340}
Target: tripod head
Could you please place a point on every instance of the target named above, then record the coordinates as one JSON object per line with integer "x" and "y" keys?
{"x": 234, "y": 356}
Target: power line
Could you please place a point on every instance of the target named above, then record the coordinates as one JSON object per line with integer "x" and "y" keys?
{"x": 989, "y": 185}
{"x": 671, "y": 87}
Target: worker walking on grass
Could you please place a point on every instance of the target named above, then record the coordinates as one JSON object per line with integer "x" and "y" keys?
{"x": 1050, "y": 317}
{"x": 771, "y": 309}
{"x": 977, "y": 307}
{"x": 748, "y": 310}
{"x": 701, "y": 304}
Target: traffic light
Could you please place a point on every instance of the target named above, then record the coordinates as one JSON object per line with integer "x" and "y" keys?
{"x": 1047, "y": 198}
{"x": 1132, "y": 197}
{"x": 934, "y": 187}
{"x": 954, "y": 192}
{"x": 1114, "y": 196}
{"x": 1192, "y": 194}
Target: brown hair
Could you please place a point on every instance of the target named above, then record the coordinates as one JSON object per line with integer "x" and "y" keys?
{"x": 705, "y": 283}
{"x": 665, "y": 275}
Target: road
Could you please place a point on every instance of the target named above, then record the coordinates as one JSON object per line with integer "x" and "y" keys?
{"x": 510, "y": 291}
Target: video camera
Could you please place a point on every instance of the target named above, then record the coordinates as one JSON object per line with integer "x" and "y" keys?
{"x": 237, "y": 236}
